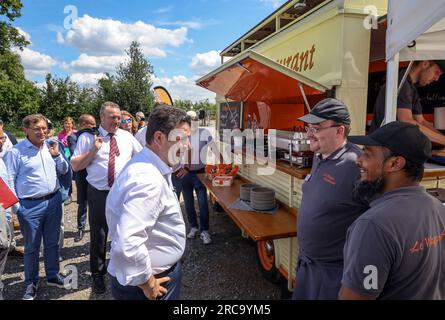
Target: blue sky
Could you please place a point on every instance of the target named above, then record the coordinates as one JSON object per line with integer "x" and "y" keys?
{"x": 182, "y": 39}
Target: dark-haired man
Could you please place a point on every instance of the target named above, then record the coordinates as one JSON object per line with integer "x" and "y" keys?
{"x": 409, "y": 109}
{"x": 396, "y": 249}
{"x": 87, "y": 124}
{"x": 144, "y": 216}
{"x": 33, "y": 165}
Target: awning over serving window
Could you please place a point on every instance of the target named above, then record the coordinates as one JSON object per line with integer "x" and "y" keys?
{"x": 254, "y": 77}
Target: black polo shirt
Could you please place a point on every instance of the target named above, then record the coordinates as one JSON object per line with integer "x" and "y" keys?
{"x": 408, "y": 98}
{"x": 400, "y": 241}
{"x": 327, "y": 207}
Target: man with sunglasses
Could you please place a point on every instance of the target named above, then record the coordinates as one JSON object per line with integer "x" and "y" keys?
{"x": 104, "y": 156}
{"x": 327, "y": 207}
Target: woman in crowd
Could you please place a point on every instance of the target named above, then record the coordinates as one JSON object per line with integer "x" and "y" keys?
{"x": 68, "y": 129}
{"x": 128, "y": 122}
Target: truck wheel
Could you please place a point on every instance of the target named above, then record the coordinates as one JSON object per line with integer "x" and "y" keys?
{"x": 266, "y": 260}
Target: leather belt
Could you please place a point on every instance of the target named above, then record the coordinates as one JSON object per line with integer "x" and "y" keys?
{"x": 197, "y": 171}
{"x": 166, "y": 272}
{"x": 47, "y": 197}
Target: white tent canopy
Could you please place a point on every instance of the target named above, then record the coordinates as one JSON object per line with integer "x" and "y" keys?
{"x": 421, "y": 21}
{"x": 416, "y": 31}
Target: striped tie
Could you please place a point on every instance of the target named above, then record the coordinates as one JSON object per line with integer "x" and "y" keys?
{"x": 114, "y": 151}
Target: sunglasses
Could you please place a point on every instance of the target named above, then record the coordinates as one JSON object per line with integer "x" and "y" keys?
{"x": 126, "y": 121}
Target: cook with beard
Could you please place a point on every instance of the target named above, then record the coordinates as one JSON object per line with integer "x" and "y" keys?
{"x": 409, "y": 109}
{"x": 327, "y": 207}
{"x": 396, "y": 249}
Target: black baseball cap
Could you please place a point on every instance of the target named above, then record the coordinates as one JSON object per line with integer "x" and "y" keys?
{"x": 441, "y": 64}
{"x": 328, "y": 109}
{"x": 402, "y": 138}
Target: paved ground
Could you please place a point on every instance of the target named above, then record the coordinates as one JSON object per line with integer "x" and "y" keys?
{"x": 225, "y": 269}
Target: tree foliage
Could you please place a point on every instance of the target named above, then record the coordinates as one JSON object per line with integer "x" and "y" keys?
{"x": 62, "y": 97}
{"x": 10, "y": 36}
{"x": 133, "y": 82}
{"x": 18, "y": 96}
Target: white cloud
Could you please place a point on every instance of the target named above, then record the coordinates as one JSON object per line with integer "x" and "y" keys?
{"x": 59, "y": 38}
{"x": 181, "y": 87}
{"x": 164, "y": 9}
{"x": 93, "y": 64}
{"x": 108, "y": 37}
{"x": 86, "y": 79}
{"x": 24, "y": 33}
{"x": 203, "y": 63}
{"x": 275, "y": 3}
{"x": 196, "y": 25}
{"x": 35, "y": 63}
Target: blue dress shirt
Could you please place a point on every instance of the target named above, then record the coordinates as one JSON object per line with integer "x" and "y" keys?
{"x": 32, "y": 172}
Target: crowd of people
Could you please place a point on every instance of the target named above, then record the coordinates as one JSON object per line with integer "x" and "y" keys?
{"x": 101, "y": 160}
{"x": 375, "y": 233}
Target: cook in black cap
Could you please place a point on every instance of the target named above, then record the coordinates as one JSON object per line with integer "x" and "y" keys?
{"x": 393, "y": 250}
{"x": 327, "y": 207}
{"x": 409, "y": 108}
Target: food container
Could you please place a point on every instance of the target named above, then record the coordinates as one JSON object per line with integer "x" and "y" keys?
{"x": 222, "y": 181}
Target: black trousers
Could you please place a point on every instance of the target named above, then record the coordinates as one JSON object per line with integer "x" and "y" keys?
{"x": 82, "y": 188}
{"x": 98, "y": 230}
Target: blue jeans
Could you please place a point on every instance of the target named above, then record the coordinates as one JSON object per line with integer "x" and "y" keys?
{"x": 187, "y": 184}
{"x": 41, "y": 219}
{"x": 173, "y": 287}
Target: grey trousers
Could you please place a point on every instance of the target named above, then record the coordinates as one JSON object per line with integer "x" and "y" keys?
{"x": 3, "y": 257}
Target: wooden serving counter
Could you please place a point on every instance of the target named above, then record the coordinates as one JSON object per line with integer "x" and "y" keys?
{"x": 284, "y": 166}
{"x": 258, "y": 226}
{"x": 431, "y": 170}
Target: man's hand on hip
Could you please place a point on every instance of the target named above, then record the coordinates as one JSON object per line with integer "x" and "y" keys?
{"x": 152, "y": 288}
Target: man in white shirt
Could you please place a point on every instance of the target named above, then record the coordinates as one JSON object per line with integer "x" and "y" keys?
{"x": 144, "y": 216}
{"x": 104, "y": 156}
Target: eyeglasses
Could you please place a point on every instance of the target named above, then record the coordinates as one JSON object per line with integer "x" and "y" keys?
{"x": 115, "y": 117}
{"x": 126, "y": 121}
{"x": 316, "y": 130}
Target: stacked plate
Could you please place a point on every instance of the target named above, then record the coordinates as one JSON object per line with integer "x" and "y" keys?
{"x": 245, "y": 190}
{"x": 262, "y": 199}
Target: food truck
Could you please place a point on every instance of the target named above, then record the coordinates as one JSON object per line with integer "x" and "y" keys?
{"x": 303, "y": 52}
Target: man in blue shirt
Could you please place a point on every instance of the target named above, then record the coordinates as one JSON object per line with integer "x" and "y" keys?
{"x": 33, "y": 165}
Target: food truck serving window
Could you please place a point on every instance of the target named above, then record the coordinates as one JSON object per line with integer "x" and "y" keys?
{"x": 254, "y": 77}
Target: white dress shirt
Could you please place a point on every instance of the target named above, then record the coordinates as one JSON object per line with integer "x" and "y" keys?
{"x": 141, "y": 136}
{"x": 145, "y": 221}
{"x": 98, "y": 168}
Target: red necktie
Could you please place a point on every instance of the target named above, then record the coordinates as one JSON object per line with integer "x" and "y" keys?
{"x": 114, "y": 151}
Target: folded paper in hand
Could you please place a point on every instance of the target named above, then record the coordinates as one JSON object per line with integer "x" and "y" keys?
{"x": 7, "y": 197}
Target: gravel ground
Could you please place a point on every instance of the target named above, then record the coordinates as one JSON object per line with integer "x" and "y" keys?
{"x": 225, "y": 269}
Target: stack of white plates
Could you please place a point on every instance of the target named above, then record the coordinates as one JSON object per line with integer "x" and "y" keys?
{"x": 262, "y": 199}
{"x": 245, "y": 190}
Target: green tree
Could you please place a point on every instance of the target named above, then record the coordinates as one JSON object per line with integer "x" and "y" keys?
{"x": 10, "y": 36}
{"x": 18, "y": 96}
{"x": 61, "y": 97}
{"x": 133, "y": 82}
{"x": 107, "y": 89}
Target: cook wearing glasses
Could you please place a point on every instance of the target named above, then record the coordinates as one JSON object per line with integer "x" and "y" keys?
{"x": 328, "y": 207}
